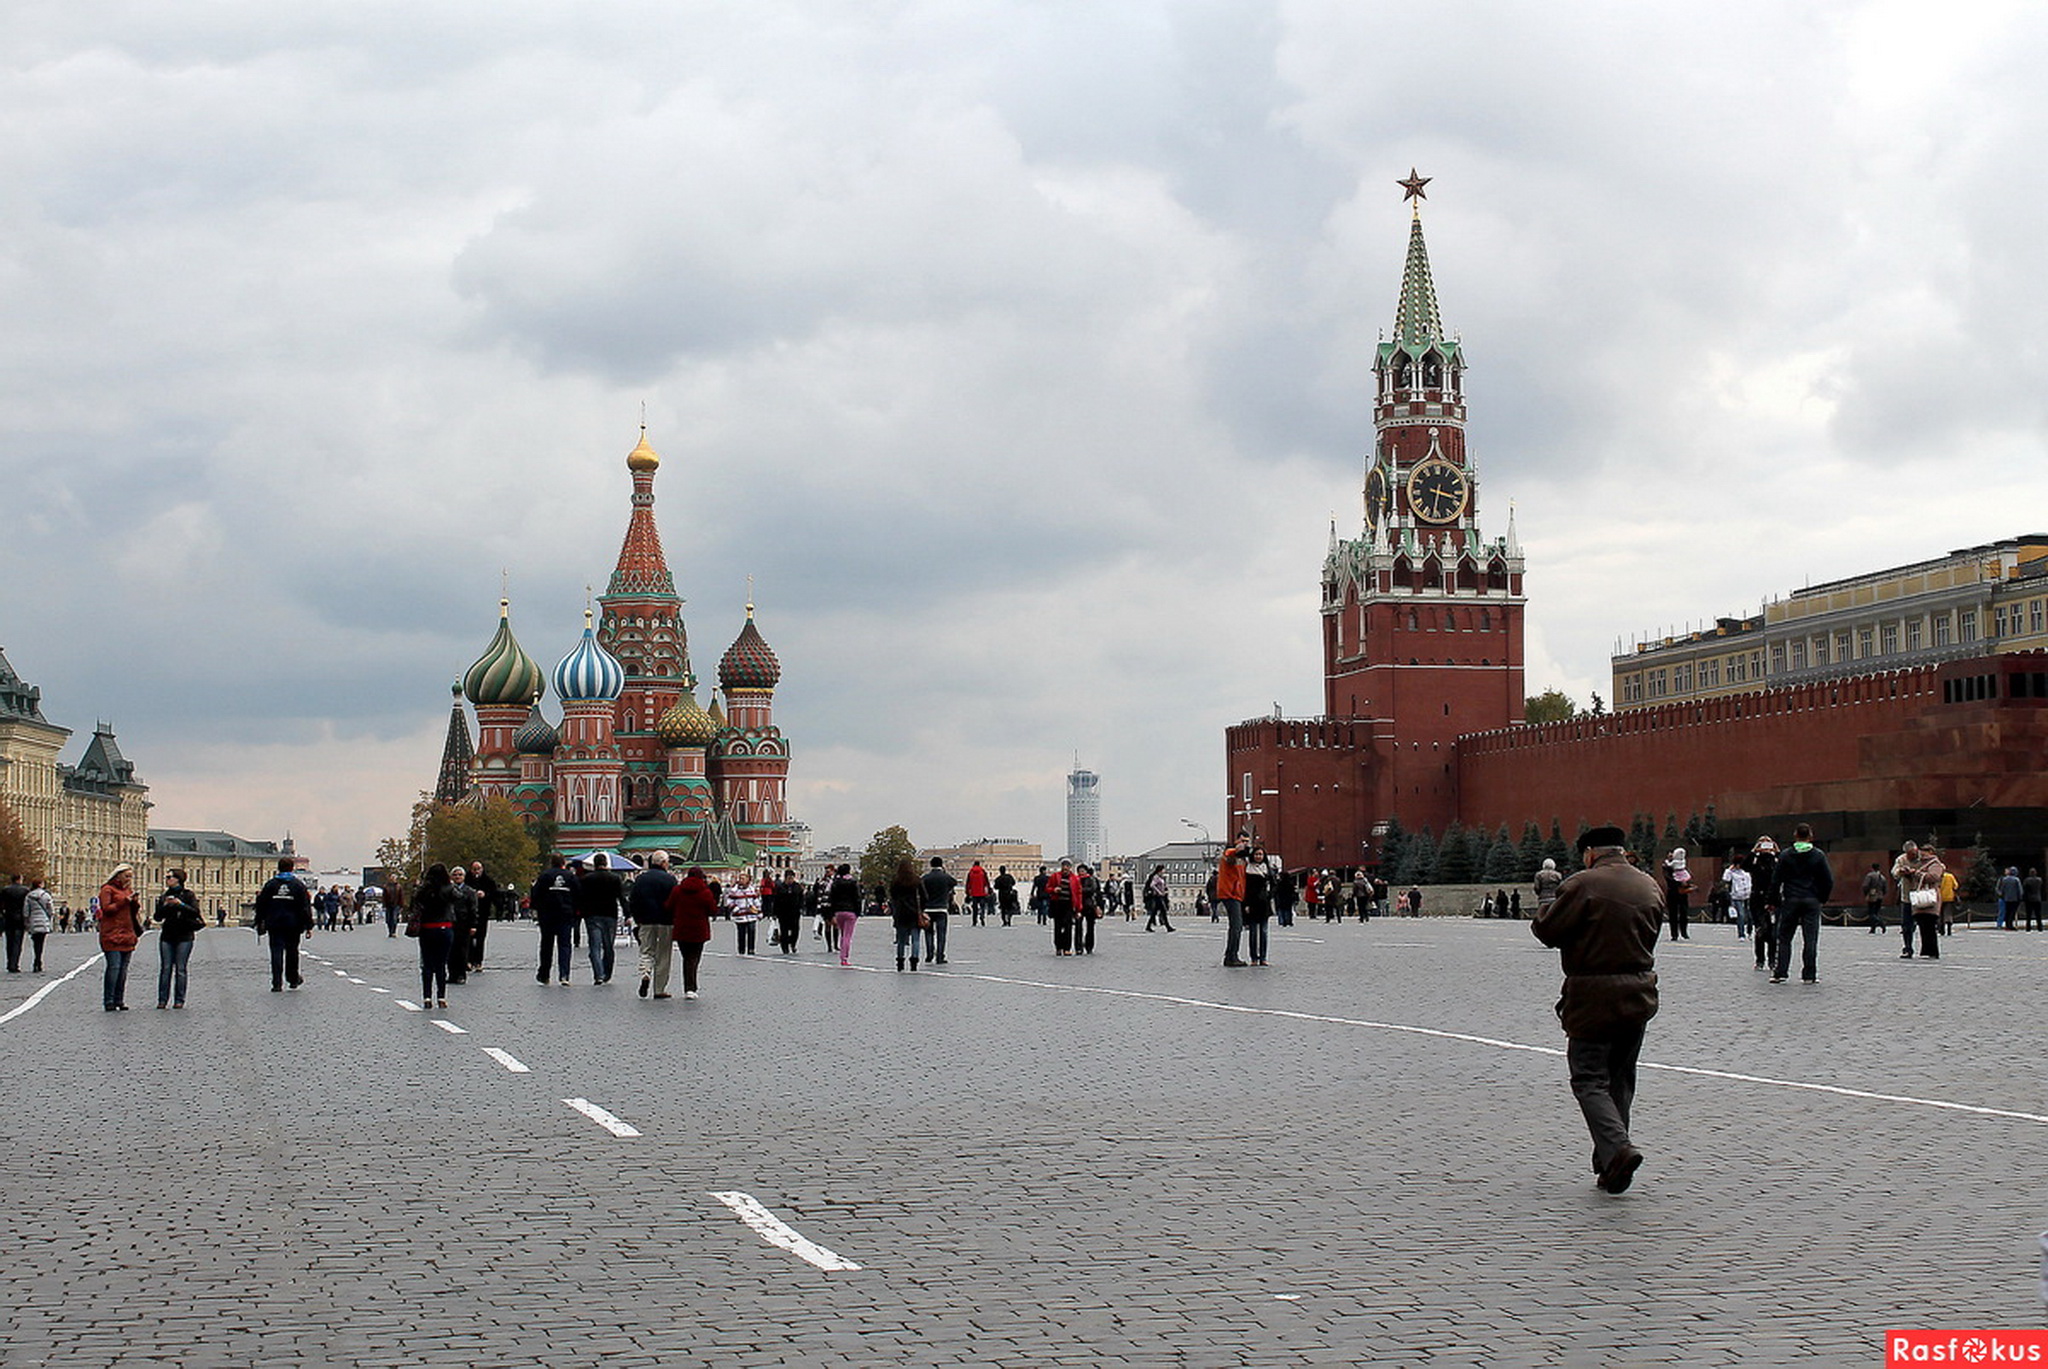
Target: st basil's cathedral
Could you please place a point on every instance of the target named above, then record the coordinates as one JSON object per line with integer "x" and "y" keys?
{"x": 636, "y": 763}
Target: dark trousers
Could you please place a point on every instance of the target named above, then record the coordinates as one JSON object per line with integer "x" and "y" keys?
{"x": 603, "y": 932}
{"x": 745, "y": 934}
{"x": 173, "y": 961}
{"x": 284, "y": 959}
{"x": 786, "y": 931}
{"x": 555, "y": 945}
{"x": 1874, "y": 911}
{"x": 1678, "y": 910}
{"x": 935, "y": 935}
{"x": 36, "y": 940}
{"x": 1604, "y": 1082}
{"x": 15, "y": 936}
{"x": 1766, "y": 920}
{"x": 2033, "y": 914}
{"x": 1908, "y": 919}
{"x": 693, "y": 952}
{"x": 1063, "y": 933}
{"x": 1084, "y": 935}
{"x": 476, "y": 942}
{"x": 1800, "y": 915}
{"x": 459, "y": 940}
{"x": 1930, "y": 931}
{"x": 435, "y": 945}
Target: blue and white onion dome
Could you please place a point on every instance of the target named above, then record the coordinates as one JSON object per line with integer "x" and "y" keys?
{"x": 589, "y": 672}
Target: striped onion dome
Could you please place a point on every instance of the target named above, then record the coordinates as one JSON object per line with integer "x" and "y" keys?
{"x": 536, "y": 736}
{"x": 687, "y": 724}
{"x": 504, "y": 674}
{"x": 589, "y": 672}
{"x": 749, "y": 663}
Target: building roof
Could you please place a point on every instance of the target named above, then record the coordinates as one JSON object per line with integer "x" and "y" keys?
{"x": 456, "y": 754}
{"x": 504, "y": 674}
{"x": 181, "y": 841}
{"x": 19, "y": 699}
{"x": 101, "y": 768}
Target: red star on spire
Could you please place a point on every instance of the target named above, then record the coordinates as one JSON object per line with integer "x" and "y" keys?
{"x": 1411, "y": 189}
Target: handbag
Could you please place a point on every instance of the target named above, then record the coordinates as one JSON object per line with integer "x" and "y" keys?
{"x": 1923, "y": 898}
{"x": 412, "y": 926}
{"x": 924, "y": 922}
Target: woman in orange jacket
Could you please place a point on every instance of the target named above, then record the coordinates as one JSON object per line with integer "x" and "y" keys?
{"x": 120, "y": 930}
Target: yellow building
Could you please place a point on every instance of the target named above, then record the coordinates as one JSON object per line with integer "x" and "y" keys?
{"x": 225, "y": 871}
{"x": 88, "y": 817}
{"x": 1973, "y": 602}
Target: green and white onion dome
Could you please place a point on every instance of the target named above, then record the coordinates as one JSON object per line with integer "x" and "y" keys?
{"x": 504, "y": 674}
{"x": 589, "y": 672}
{"x": 687, "y": 724}
{"x": 536, "y": 736}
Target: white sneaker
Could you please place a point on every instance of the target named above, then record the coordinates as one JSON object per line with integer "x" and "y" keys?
{"x": 689, "y": 993}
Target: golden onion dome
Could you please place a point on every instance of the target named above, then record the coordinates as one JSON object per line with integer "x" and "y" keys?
{"x": 687, "y": 725}
{"x": 643, "y": 457}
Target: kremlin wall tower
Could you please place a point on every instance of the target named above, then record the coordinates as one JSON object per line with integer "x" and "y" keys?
{"x": 1908, "y": 704}
{"x": 636, "y": 763}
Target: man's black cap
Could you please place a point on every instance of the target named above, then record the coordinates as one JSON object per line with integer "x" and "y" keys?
{"x": 1603, "y": 836}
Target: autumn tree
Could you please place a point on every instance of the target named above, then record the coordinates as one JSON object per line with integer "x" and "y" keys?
{"x": 20, "y": 856}
{"x": 492, "y": 832}
{"x": 885, "y": 849}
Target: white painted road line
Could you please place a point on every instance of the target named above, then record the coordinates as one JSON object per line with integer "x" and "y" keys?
{"x": 445, "y": 1025}
{"x": 375, "y": 989}
{"x": 341, "y": 974}
{"x": 40, "y": 994}
{"x": 409, "y": 1005}
{"x": 601, "y": 1117}
{"x": 1408, "y": 1029}
{"x": 505, "y": 1058}
{"x": 353, "y": 980}
{"x": 780, "y": 1234}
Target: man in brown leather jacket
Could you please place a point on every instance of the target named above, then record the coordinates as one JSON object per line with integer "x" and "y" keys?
{"x": 1604, "y": 924}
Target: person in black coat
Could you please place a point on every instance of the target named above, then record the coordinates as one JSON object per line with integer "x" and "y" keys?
{"x": 600, "y": 894}
{"x": 553, "y": 897}
{"x": 179, "y": 915}
{"x": 284, "y": 913}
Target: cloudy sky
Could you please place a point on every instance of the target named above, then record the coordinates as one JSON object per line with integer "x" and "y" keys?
{"x": 1018, "y": 350}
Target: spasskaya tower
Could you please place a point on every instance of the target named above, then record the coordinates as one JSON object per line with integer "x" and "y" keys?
{"x": 1422, "y": 617}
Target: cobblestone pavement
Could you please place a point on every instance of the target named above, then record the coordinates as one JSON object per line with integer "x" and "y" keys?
{"x": 1138, "y": 1158}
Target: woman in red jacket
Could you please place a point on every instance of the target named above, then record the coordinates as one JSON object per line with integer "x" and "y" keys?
{"x": 120, "y": 929}
{"x": 690, "y": 905}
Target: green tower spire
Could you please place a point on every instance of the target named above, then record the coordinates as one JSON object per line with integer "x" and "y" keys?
{"x": 1415, "y": 322}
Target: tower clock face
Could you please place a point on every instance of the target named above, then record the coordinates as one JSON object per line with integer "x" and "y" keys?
{"x": 1438, "y": 491}
{"x": 1376, "y": 496}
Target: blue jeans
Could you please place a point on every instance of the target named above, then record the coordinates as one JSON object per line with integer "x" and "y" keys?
{"x": 1740, "y": 907}
{"x": 1255, "y": 939}
{"x": 906, "y": 942}
{"x": 172, "y": 958}
{"x": 436, "y": 945}
{"x": 935, "y": 935}
{"x": 603, "y": 935}
{"x": 115, "y": 985}
{"x": 1234, "y": 910}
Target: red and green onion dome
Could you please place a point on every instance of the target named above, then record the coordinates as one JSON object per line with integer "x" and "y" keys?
{"x": 589, "y": 672}
{"x": 536, "y": 736}
{"x": 686, "y": 724}
{"x": 749, "y": 663}
{"x": 504, "y": 674}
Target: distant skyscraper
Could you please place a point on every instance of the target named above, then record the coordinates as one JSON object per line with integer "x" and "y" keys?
{"x": 1084, "y": 816}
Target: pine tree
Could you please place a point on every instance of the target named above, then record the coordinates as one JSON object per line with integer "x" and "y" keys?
{"x": 1557, "y": 849}
{"x": 1393, "y": 847}
{"x": 1503, "y": 859}
{"x": 1477, "y": 846}
{"x": 1638, "y": 835}
{"x": 1694, "y": 833}
{"x": 1671, "y": 837}
{"x": 1418, "y": 862}
{"x": 1709, "y": 828}
{"x": 1529, "y": 857}
{"x": 20, "y": 856}
{"x": 1454, "y": 856}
